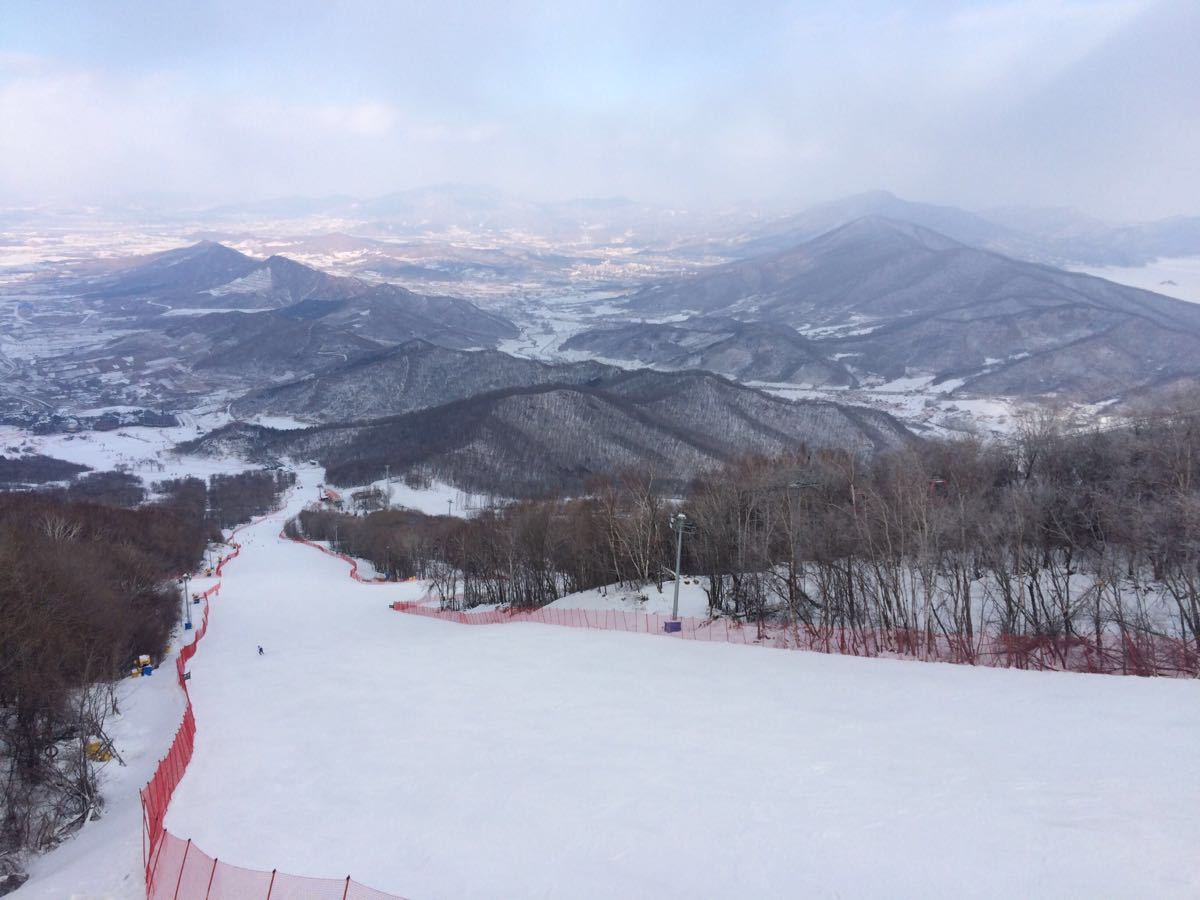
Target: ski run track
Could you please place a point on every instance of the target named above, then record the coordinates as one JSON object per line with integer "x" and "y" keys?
{"x": 520, "y": 760}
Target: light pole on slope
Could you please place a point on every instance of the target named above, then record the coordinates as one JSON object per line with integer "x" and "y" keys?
{"x": 798, "y": 485}
{"x": 187, "y": 601}
{"x": 679, "y": 524}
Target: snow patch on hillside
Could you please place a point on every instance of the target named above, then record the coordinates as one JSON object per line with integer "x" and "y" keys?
{"x": 259, "y": 279}
{"x": 693, "y": 601}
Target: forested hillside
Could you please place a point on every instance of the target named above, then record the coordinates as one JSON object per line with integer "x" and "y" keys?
{"x": 86, "y": 587}
{"x": 1060, "y": 544}
{"x": 557, "y": 437}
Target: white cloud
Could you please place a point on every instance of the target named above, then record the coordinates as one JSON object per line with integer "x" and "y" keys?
{"x": 963, "y": 104}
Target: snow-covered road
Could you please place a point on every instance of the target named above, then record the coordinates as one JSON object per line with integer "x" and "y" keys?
{"x": 433, "y": 760}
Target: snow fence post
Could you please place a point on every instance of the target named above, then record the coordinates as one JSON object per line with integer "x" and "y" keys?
{"x": 182, "y": 866}
{"x": 211, "y": 875}
{"x": 157, "y": 858}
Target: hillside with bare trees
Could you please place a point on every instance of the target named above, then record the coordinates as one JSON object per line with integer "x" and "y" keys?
{"x": 1060, "y": 545}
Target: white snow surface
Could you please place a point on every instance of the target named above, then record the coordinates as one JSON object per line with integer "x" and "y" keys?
{"x": 437, "y": 499}
{"x": 144, "y": 452}
{"x": 693, "y": 601}
{"x": 1177, "y": 276}
{"x": 438, "y": 760}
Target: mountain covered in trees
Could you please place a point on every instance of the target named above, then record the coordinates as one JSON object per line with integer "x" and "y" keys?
{"x": 179, "y": 328}
{"x": 557, "y": 437}
{"x": 891, "y": 299}
{"x": 746, "y": 351}
{"x": 211, "y": 276}
{"x": 415, "y": 375}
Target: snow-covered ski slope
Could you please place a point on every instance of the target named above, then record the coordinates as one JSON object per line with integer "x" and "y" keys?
{"x": 434, "y": 760}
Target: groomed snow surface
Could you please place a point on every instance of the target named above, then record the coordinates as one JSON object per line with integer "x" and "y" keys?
{"x": 435, "y": 760}
{"x": 438, "y": 760}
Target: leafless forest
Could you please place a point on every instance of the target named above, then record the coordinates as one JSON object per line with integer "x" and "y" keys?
{"x": 86, "y": 587}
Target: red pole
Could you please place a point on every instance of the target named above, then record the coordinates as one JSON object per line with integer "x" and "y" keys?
{"x": 208, "y": 890}
{"x": 271, "y": 886}
{"x": 347, "y": 890}
{"x": 155, "y": 858}
{"x": 182, "y": 866}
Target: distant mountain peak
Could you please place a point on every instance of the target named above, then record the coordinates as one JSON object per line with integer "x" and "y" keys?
{"x": 205, "y": 249}
{"x": 874, "y": 195}
{"x": 876, "y": 227}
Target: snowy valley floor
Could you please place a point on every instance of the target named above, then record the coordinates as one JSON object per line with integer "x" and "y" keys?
{"x": 434, "y": 760}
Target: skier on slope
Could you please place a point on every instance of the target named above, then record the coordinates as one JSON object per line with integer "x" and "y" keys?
{"x": 260, "y": 650}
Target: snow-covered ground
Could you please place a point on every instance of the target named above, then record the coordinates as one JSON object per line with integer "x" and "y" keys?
{"x": 1177, "y": 277}
{"x": 436, "y": 760}
{"x": 437, "y": 499}
{"x": 693, "y": 601}
{"x": 145, "y": 452}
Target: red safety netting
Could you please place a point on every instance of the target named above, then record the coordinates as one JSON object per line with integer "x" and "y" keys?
{"x": 179, "y": 870}
{"x": 349, "y": 560}
{"x": 1110, "y": 654}
{"x": 183, "y": 870}
{"x": 1127, "y": 653}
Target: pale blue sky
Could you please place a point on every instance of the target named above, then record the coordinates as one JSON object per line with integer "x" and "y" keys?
{"x": 1093, "y": 103}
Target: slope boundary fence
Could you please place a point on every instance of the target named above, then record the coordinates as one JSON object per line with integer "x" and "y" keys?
{"x": 177, "y": 869}
{"x": 348, "y": 560}
{"x": 1144, "y": 655}
{"x": 1112, "y": 654}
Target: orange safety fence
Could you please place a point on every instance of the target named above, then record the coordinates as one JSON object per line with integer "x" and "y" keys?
{"x": 1114, "y": 653}
{"x": 1118, "y": 654}
{"x": 349, "y": 560}
{"x": 179, "y": 870}
{"x": 186, "y": 871}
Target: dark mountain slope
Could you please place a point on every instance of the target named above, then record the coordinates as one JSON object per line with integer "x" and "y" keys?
{"x": 268, "y": 344}
{"x": 556, "y": 437}
{"x": 747, "y": 351}
{"x": 185, "y": 270}
{"x": 394, "y": 315}
{"x": 209, "y": 276}
{"x": 415, "y": 375}
{"x": 892, "y": 299}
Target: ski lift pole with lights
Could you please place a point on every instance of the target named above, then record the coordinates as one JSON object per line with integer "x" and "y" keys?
{"x": 185, "y": 580}
{"x": 679, "y": 524}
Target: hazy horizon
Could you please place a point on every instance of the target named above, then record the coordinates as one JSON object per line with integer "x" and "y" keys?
{"x": 1090, "y": 105}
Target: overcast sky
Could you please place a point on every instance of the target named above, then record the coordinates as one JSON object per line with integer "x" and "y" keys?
{"x": 1090, "y": 103}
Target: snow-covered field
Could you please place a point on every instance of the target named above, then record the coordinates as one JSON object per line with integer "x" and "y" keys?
{"x": 437, "y": 499}
{"x": 693, "y": 601}
{"x": 435, "y": 760}
{"x": 145, "y": 452}
{"x": 1177, "y": 277}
